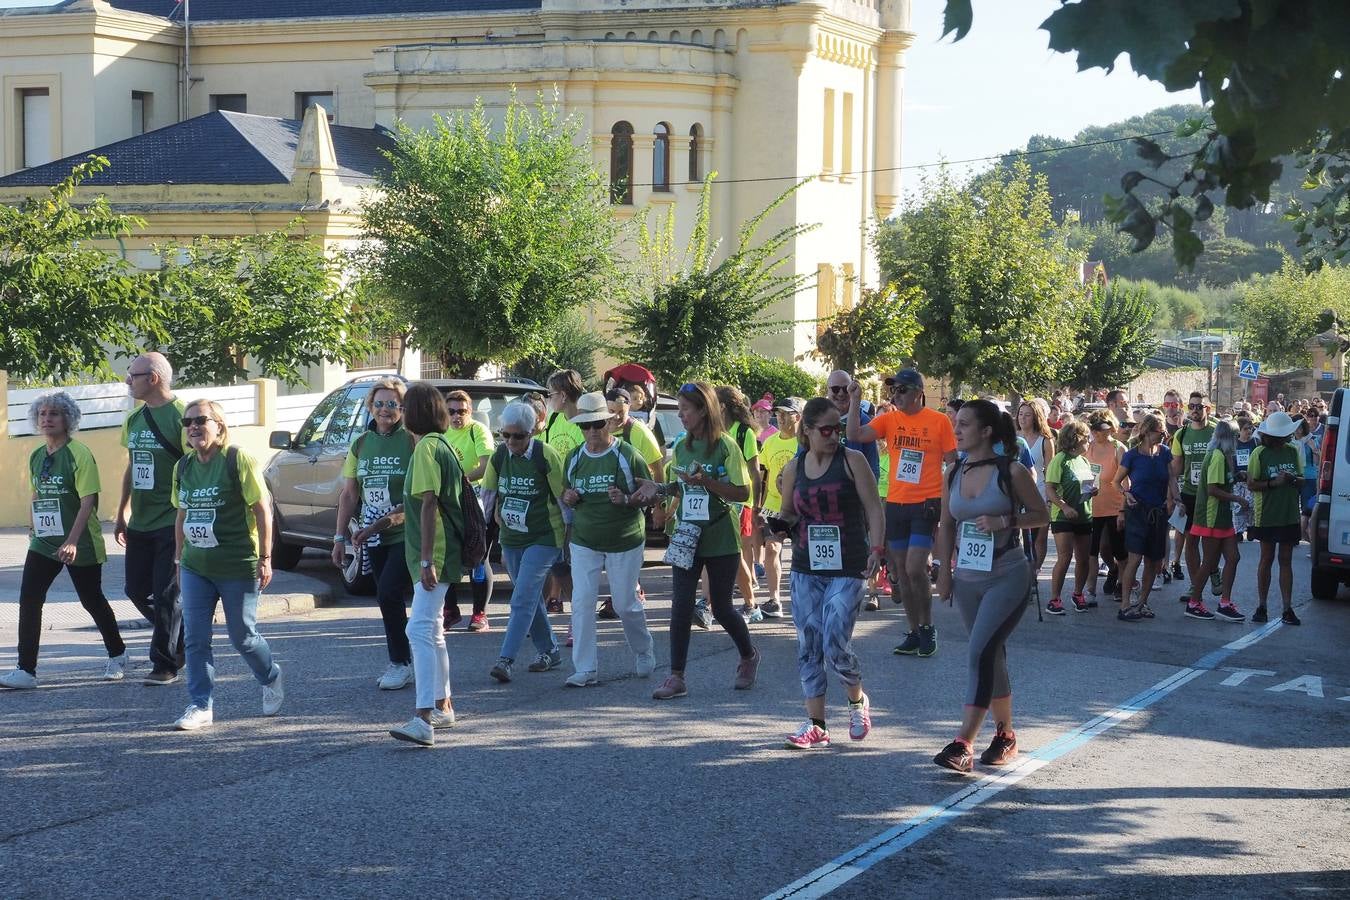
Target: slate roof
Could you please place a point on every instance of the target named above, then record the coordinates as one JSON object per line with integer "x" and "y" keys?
{"x": 226, "y": 10}
{"x": 217, "y": 148}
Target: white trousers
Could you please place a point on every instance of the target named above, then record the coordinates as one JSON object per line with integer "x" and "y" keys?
{"x": 623, "y": 569}
{"x": 431, "y": 662}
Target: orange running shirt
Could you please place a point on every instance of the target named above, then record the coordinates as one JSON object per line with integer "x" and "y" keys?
{"x": 916, "y": 444}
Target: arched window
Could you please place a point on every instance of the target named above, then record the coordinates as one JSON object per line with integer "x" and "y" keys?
{"x": 621, "y": 163}
{"x": 661, "y": 157}
{"x": 695, "y": 148}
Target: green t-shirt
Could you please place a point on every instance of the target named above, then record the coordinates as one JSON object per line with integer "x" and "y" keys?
{"x": 884, "y": 465}
{"x": 379, "y": 463}
{"x": 773, "y": 456}
{"x": 598, "y": 524}
{"x": 1068, "y": 475}
{"x": 1212, "y": 512}
{"x": 1277, "y": 506}
{"x": 433, "y": 468}
{"x": 61, "y": 480}
{"x": 470, "y": 443}
{"x": 1191, "y": 445}
{"x": 220, "y": 533}
{"x": 642, "y": 439}
{"x": 527, "y": 499}
{"x": 562, "y": 435}
{"x": 151, "y": 464}
{"x": 721, "y": 527}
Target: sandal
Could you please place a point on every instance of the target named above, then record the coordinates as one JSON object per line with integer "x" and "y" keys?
{"x": 1130, "y": 614}
{"x": 1145, "y": 612}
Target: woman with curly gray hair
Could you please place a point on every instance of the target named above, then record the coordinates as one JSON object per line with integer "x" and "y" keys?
{"x": 64, "y": 481}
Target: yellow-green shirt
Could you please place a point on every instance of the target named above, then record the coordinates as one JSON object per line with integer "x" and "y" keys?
{"x": 61, "y": 481}
{"x": 433, "y": 468}
{"x": 470, "y": 443}
{"x": 773, "y": 456}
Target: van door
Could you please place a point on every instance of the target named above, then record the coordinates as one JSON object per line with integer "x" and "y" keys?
{"x": 1338, "y": 524}
{"x": 290, "y": 473}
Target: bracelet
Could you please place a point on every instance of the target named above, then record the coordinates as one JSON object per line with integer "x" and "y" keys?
{"x": 879, "y": 550}
{"x": 339, "y": 539}
{"x": 267, "y": 558}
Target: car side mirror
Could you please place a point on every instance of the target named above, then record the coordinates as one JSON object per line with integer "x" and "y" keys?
{"x": 280, "y": 440}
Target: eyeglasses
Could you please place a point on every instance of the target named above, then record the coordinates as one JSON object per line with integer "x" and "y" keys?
{"x": 459, "y": 411}
{"x": 587, "y": 426}
{"x": 199, "y": 421}
{"x": 138, "y": 374}
{"x": 827, "y": 431}
{"x": 386, "y": 404}
{"x": 512, "y": 435}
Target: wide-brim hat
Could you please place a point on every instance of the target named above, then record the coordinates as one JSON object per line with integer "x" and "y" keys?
{"x": 591, "y": 407}
{"x": 1278, "y": 424}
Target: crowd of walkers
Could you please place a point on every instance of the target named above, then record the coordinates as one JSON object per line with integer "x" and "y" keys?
{"x": 896, "y": 497}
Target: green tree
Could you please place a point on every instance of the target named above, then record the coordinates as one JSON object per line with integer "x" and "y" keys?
{"x": 1272, "y": 73}
{"x": 1000, "y": 293}
{"x": 575, "y": 344}
{"x": 270, "y": 300}
{"x": 683, "y": 315}
{"x": 1115, "y": 337}
{"x": 64, "y": 303}
{"x": 876, "y": 335}
{"x": 1281, "y": 312}
{"x": 758, "y": 375}
{"x": 485, "y": 237}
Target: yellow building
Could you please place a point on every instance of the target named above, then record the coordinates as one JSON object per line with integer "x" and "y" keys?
{"x": 760, "y": 92}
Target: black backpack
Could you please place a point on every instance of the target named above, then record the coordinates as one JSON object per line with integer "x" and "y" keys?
{"x": 473, "y": 539}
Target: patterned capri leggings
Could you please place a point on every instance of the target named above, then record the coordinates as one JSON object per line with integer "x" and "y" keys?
{"x": 991, "y": 606}
{"x": 824, "y": 611}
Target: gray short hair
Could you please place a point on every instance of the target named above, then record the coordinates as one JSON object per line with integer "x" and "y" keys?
{"x": 59, "y": 400}
{"x": 160, "y": 366}
{"x": 517, "y": 414}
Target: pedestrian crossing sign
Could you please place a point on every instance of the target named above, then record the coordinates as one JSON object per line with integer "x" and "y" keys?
{"x": 1249, "y": 368}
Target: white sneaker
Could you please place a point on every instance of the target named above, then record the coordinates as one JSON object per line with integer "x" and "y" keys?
{"x": 442, "y": 719}
{"x": 646, "y": 664}
{"x": 582, "y": 679}
{"x": 116, "y": 669}
{"x": 18, "y": 680}
{"x": 194, "y": 717}
{"x": 395, "y": 677}
{"x": 416, "y": 730}
{"x": 274, "y": 694}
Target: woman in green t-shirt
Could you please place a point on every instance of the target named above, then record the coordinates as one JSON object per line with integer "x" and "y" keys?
{"x": 223, "y": 536}
{"x": 64, "y": 481}
{"x": 1069, "y": 487}
{"x": 373, "y": 475}
{"x": 1213, "y": 520}
{"x": 432, "y": 527}
{"x": 706, "y": 478}
{"x": 741, "y": 426}
{"x": 1274, "y": 473}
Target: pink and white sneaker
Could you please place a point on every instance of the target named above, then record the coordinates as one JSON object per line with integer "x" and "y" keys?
{"x": 860, "y": 719}
{"x": 809, "y": 737}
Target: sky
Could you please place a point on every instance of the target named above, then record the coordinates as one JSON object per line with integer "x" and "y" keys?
{"x": 1001, "y": 84}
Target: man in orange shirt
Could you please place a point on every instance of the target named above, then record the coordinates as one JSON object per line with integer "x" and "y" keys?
{"x": 920, "y": 442}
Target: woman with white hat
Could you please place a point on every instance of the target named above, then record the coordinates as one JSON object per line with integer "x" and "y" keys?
{"x": 606, "y": 482}
{"x": 1274, "y": 474}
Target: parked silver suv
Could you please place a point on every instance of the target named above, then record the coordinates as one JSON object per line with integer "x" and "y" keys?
{"x": 305, "y": 477}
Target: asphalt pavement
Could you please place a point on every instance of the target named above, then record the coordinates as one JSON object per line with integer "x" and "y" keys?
{"x": 1172, "y": 758}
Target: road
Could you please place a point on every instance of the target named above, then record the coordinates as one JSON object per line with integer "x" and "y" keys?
{"x": 1213, "y": 764}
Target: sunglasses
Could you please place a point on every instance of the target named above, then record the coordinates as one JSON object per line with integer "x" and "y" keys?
{"x": 460, "y": 411}
{"x": 386, "y": 404}
{"x": 1195, "y": 406}
{"x": 836, "y": 389}
{"x": 199, "y": 421}
{"x": 828, "y": 431}
{"x": 46, "y": 469}
{"x": 512, "y": 435}
{"x": 898, "y": 388}
{"x": 588, "y": 426}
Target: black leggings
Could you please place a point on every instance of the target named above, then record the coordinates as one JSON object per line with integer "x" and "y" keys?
{"x": 38, "y": 574}
{"x": 392, "y": 583}
{"x": 1115, "y": 539}
{"x": 722, "y": 572}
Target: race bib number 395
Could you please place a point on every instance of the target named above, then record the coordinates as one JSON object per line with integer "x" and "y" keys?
{"x": 825, "y": 547}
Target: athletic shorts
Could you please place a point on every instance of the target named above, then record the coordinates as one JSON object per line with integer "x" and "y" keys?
{"x": 747, "y": 521}
{"x": 776, "y": 529}
{"x": 1146, "y": 532}
{"x": 912, "y": 524}
{"x": 1309, "y": 492}
{"x": 1276, "y": 534}
{"x": 1205, "y": 531}
{"x": 1074, "y": 527}
{"x": 1188, "y": 501}
{"x": 1115, "y": 536}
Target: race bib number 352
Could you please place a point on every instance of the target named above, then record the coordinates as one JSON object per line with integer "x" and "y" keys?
{"x": 200, "y": 528}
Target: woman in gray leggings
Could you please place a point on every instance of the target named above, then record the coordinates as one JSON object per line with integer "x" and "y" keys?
{"x": 988, "y": 497}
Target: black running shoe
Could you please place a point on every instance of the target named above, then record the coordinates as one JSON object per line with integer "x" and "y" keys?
{"x": 1002, "y": 750}
{"x": 1259, "y": 616}
{"x": 927, "y": 640}
{"x": 957, "y": 757}
{"x": 1112, "y": 585}
{"x": 1176, "y": 571}
{"x": 909, "y": 646}
{"x": 1289, "y": 618}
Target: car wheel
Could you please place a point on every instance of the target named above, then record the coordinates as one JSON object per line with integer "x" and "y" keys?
{"x": 1325, "y": 584}
{"x": 284, "y": 556}
{"x": 356, "y": 583}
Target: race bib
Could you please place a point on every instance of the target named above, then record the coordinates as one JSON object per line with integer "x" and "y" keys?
{"x": 1090, "y": 483}
{"x": 200, "y": 528}
{"x": 514, "y": 513}
{"x": 142, "y": 470}
{"x": 909, "y": 467}
{"x": 694, "y": 504}
{"x": 1195, "y": 473}
{"x": 375, "y": 492}
{"x": 1242, "y": 457}
{"x": 825, "y": 547}
{"x": 975, "y": 549}
{"x": 47, "y": 519}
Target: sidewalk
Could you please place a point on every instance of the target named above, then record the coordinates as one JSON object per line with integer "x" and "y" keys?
{"x": 288, "y": 593}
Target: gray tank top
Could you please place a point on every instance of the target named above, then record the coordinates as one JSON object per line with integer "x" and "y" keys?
{"x": 989, "y": 502}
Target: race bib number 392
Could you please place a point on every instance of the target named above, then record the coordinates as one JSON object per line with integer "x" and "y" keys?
{"x": 975, "y": 550}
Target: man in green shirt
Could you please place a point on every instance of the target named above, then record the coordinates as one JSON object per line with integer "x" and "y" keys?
{"x": 1190, "y": 445}
{"x": 155, "y": 441}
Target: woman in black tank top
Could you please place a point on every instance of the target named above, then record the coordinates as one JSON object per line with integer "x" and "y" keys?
{"x": 830, "y": 497}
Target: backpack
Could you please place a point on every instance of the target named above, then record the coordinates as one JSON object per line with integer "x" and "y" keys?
{"x": 473, "y": 539}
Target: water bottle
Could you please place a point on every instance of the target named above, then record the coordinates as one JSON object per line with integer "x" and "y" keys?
{"x": 479, "y": 574}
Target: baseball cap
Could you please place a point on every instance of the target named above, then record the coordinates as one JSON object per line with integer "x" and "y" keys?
{"x": 792, "y": 404}
{"x": 908, "y": 378}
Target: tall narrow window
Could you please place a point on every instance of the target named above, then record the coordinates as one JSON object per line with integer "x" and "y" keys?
{"x": 140, "y": 112}
{"x": 846, "y": 135}
{"x": 661, "y": 157}
{"x": 35, "y": 127}
{"x": 621, "y": 163}
{"x": 695, "y": 148}
{"x": 827, "y": 133}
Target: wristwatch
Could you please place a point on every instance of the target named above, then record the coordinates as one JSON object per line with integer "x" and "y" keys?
{"x": 426, "y": 564}
{"x": 339, "y": 539}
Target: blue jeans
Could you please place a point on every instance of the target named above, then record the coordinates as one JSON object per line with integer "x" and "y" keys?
{"x": 239, "y": 598}
{"x": 528, "y": 567}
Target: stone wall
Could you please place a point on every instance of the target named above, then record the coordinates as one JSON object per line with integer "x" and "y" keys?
{"x": 1155, "y": 382}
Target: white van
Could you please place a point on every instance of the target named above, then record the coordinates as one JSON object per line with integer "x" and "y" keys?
{"x": 1331, "y": 516}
